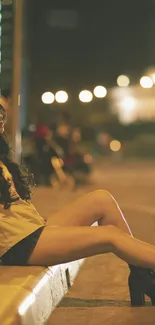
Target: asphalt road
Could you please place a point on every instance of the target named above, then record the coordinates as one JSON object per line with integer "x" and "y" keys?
{"x": 100, "y": 293}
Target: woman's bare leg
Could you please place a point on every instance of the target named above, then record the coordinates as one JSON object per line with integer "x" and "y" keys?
{"x": 63, "y": 244}
{"x": 73, "y": 238}
{"x": 96, "y": 206}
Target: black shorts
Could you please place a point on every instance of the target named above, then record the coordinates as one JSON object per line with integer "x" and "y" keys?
{"x": 20, "y": 253}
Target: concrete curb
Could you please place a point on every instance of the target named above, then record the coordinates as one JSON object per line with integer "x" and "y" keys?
{"x": 36, "y": 308}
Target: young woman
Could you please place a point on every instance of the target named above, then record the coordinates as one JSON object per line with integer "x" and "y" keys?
{"x": 26, "y": 239}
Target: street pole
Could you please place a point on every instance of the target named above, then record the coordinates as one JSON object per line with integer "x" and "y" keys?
{"x": 17, "y": 57}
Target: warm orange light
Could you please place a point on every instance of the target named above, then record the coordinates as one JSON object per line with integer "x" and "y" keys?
{"x": 115, "y": 145}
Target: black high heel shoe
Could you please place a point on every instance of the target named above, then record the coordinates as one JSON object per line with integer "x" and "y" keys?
{"x": 141, "y": 282}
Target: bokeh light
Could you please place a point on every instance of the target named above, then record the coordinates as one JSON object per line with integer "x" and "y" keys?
{"x": 115, "y": 145}
{"x": 100, "y": 92}
{"x": 128, "y": 103}
{"x": 150, "y": 72}
{"x": 85, "y": 96}
{"x": 123, "y": 81}
{"x": 152, "y": 76}
{"x": 47, "y": 98}
{"x": 61, "y": 96}
{"x": 146, "y": 82}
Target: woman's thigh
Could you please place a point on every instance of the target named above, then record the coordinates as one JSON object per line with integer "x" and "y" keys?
{"x": 58, "y": 245}
{"x": 84, "y": 211}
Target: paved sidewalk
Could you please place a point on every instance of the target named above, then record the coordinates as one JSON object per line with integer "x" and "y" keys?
{"x": 100, "y": 293}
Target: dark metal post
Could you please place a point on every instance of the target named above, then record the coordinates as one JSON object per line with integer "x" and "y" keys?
{"x": 15, "y": 123}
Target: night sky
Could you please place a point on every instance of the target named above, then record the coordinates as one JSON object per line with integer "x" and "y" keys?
{"x": 111, "y": 38}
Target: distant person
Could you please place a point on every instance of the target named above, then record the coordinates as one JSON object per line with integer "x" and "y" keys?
{"x": 50, "y": 150}
{"x": 28, "y": 151}
{"x": 27, "y": 239}
{"x": 62, "y": 137}
{"x": 39, "y": 138}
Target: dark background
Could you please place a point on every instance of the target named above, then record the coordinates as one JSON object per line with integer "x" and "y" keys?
{"x": 110, "y": 38}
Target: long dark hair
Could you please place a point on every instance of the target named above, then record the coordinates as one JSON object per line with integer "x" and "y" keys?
{"x": 21, "y": 178}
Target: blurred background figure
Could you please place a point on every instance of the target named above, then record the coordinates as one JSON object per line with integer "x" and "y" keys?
{"x": 76, "y": 162}
{"x": 29, "y": 154}
{"x": 62, "y": 137}
{"x": 39, "y": 139}
{"x": 50, "y": 152}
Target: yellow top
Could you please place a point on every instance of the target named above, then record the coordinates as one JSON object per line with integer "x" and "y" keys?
{"x": 17, "y": 222}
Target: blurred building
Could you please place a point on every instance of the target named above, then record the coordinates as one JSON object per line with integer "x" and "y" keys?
{"x": 132, "y": 104}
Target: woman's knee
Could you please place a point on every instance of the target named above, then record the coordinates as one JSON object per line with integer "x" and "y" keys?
{"x": 100, "y": 200}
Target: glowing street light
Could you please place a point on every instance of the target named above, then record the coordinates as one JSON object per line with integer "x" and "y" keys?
{"x": 47, "y": 98}
{"x": 150, "y": 72}
{"x": 115, "y": 145}
{"x": 128, "y": 109}
{"x": 128, "y": 103}
{"x": 100, "y": 92}
{"x": 152, "y": 76}
{"x": 61, "y": 96}
{"x": 85, "y": 96}
{"x": 123, "y": 81}
{"x": 146, "y": 82}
